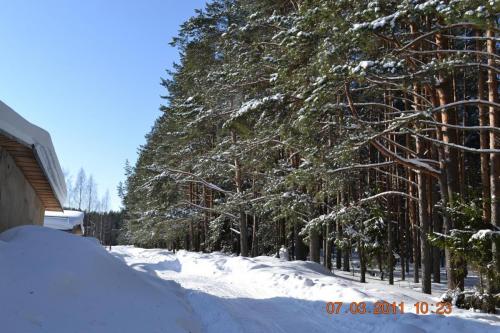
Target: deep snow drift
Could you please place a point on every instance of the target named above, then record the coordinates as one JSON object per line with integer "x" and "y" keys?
{"x": 234, "y": 294}
{"x": 51, "y": 281}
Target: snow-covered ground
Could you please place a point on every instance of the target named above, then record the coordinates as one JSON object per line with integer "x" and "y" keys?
{"x": 51, "y": 281}
{"x": 55, "y": 282}
{"x": 373, "y": 277}
{"x": 234, "y": 294}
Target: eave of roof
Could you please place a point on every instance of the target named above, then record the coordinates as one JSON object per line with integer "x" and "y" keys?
{"x": 34, "y": 153}
{"x": 26, "y": 160}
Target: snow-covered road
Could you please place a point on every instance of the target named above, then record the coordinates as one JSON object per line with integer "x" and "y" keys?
{"x": 234, "y": 294}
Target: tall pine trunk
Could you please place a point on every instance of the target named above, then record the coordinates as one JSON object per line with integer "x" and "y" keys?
{"x": 483, "y": 138}
{"x": 449, "y": 135}
{"x": 390, "y": 249}
{"x": 494, "y": 158}
{"x": 437, "y": 225}
{"x": 424, "y": 231}
{"x": 300, "y": 247}
{"x": 314, "y": 245}
{"x": 242, "y": 216}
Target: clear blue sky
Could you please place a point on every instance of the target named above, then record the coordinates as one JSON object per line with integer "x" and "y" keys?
{"x": 89, "y": 72}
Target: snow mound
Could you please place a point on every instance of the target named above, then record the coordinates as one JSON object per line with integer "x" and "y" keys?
{"x": 53, "y": 281}
{"x": 16, "y": 127}
{"x": 276, "y": 278}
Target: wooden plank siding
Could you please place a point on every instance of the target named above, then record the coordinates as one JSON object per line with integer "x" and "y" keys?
{"x": 26, "y": 161}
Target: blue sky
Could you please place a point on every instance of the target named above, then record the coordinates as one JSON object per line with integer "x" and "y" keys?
{"x": 88, "y": 72}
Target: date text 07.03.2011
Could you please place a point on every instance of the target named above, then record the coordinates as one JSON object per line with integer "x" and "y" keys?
{"x": 383, "y": 308}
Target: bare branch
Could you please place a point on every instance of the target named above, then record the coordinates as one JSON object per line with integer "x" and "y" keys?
{"x": 200, "y": 180}
{"x": 210, "y": 209}
{"x": 362, "y": 166}
{"x": 451, "y": 26}
{"x": 460, "y": 147}
{"x": 383, "y": 194}
{"x": 463, "y": 128}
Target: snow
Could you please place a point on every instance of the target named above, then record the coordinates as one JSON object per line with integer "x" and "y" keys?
{"x": 484, "y": 234}
{"x": 16, "y": 127}
{"x": 52, "y": 281}
{"x": 253, "y": 105}
{"x": 283, "y": 253}
{"x": 63, "y": 220}
{"x": 85, "y": 289}
{"x": 264, "y": 294}
{"x": 363, "y": 65}
{"x": 427, "y": 4}
{"x": 378, "y": 23}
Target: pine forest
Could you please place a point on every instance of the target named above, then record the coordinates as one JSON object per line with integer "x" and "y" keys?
{"x": 361, "y": 135}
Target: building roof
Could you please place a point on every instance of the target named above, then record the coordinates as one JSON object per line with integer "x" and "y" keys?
{"x": 33, "y": 151}
{"x": 65, "y": 220}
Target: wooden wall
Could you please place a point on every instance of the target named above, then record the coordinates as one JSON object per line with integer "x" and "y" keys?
{"x": 19, "y": 203}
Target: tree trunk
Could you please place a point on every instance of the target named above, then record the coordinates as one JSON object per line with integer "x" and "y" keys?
{"x": 449, "y": 135}
{"x": 406, "y": 245}
{"x": 314, "y": 246}
{"x": 362, "y": 261}
{"x": 255, "y": 240}
{"x": 338, "y": 250}
{"x": 414, "y": 231}
{"x": 494, "y": 158}
{"x": 402, "y": 237}
{"x": 243, "y": 219}
{"x": 424, "y": 231}
{"x": 346, "y": 249}
{"x": 243, "y": 235}
{"x": 328, "y": 248}
{"x": 300, "y": 247}
{"x": 437, "y": 225}
{"x": 390, "y": 256}
{"x": 483, "y": 138}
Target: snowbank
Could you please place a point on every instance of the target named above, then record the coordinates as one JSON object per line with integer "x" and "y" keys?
{"x": 16, "y": 127}
{"x": 54, "y": 282}
{"x": 264, "y": 294}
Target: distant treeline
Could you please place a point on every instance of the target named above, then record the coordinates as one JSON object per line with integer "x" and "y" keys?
{"x": 105, "y": 226}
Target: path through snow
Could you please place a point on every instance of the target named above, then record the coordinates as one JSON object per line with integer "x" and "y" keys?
{"x": 234, "y": 294}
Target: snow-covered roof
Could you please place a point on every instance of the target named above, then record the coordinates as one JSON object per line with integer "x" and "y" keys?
{"x": 16, "y": 128}
{"x": 63, "y": 220}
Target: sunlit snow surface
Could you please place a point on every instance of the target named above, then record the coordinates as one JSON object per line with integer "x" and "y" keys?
{"x": 55, "y": 282}
{"x": 234, "y": 294}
